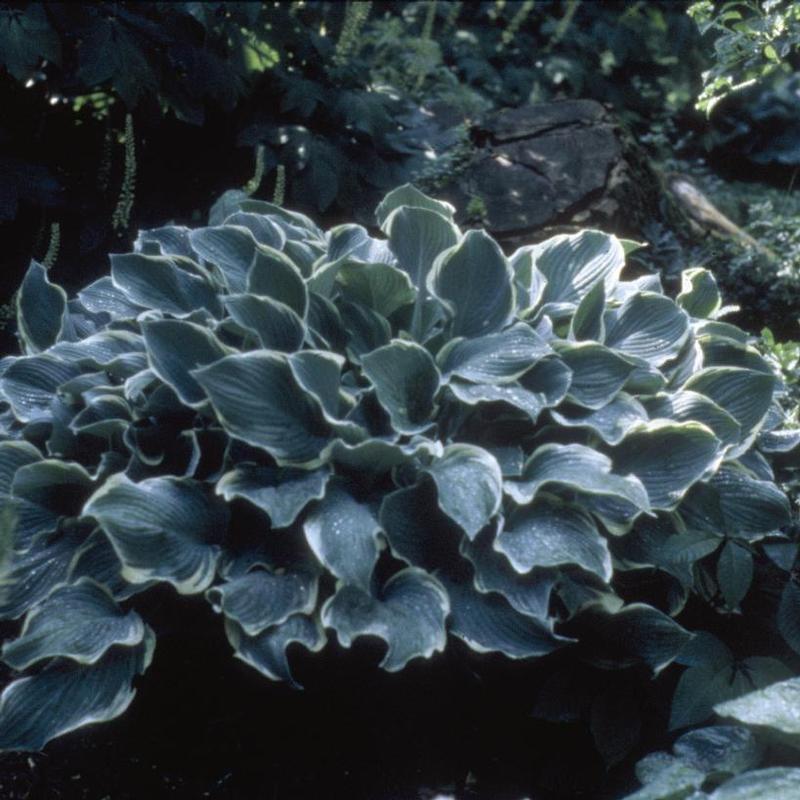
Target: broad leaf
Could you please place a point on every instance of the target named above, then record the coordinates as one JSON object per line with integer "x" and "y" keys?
{"x": 159, "y": 282}
{"x": 406, "y": 382}
{"x": 342, "y": 533}
{"x": 260, "y": 598}
{"x": 547, "y": 534}
{"x": 408, "y": 615}
{"x": 668, "y": 458}
{"x": 41, "y": 310}
{"x": 281, "y": 493}
{"x": 258, "y": 400}
{"x": 469, "y": 486}
{"x": 67, "y": 695}
{"x": 165, "y": 529}
{"x": 475, "y": 282}
{"x": 575, "y": 467}
{"x": 80, "y": 621}
{"x": 494, "y": 358}
{"x": 266, "y": 652}
{"x": 175, "y": 348}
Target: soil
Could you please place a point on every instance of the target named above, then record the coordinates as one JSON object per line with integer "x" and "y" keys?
{"x": 204, "y": 725}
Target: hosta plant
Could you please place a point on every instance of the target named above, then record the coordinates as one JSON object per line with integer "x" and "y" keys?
{"x": 411, "y": 437}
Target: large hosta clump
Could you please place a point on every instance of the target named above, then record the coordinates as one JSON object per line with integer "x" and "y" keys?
{"x": 330, "y": 434}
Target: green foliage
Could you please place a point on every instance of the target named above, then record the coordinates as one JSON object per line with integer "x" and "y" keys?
{"x": 414, "y": 438}
{"x": 754, "y": 39}
{"x": 764, "y": 282}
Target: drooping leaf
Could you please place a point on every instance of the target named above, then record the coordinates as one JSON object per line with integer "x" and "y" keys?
{"x": 342, "y": 533}
{"x": 80, "y": 621}
{"x": 175, "y": 348}
{"x": 578, "y": 468}
{"x": 266, "y": 652}
{"x": 281, "y": 493}
{"x": 165, "y": 529}
{"x": 67, "y": 695}
{"x": 408, "y": 615}
{"x": 488, "y": 623}
{"x": 261, "y": 598}
{"x": 469, "y": 486}
{"x": 547, "y": 534}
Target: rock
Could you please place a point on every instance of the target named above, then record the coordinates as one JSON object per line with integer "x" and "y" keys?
{"x": 550, "y": 165}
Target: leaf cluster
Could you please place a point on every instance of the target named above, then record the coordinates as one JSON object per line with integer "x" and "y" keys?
{"x": 414, "y": 438}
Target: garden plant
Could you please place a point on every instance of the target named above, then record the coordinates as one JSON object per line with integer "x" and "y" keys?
{"x": 412, "y": 437}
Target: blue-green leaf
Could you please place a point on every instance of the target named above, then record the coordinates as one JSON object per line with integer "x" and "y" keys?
{"x": 175, "y": 348}
{"x": 611, "y": 422}
{"x": 575, "y": 467}
{"x": 597, "y": 373}
{"x": 382, "y": 287}
{"x": 548, "y": 533}
{"x": 67, "y": 695}
{"x": 166, "y": 529}
{"x": 41, "y": 310}
{"x": 648, "y": 326}
{"x": 469, "y": 486}
{"x": 408, "y": 614}
{"x": 668, "y": 458}
{"x": 80, "y": 621}
{"x": 699, "y": 294}
{"x": 260, "y": 598}
{"x": 258, "y": 400}
{"x": 573, "y": 264}
{"x": 416, "y": 237}
{"x": 744, "y": 394}
{"x": 475, "y": 282}
{"x": 276, "y": 325}
{"x": 273, "y": 274}
{"x": 30, "y": 384}
{"x": 406, "y": 382}
{"x": 266, "y": 652}
{"x": 587, "y": 322}
{"x": 494, "y": 358}
{"x": 410, "y": 197}
{"x": 228, "y": 247}
{"x": 279, "y": 492}
{"x": 488, "y": 623}
{"x": 159, "y": 282}
{"x": 342, "y": 532}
